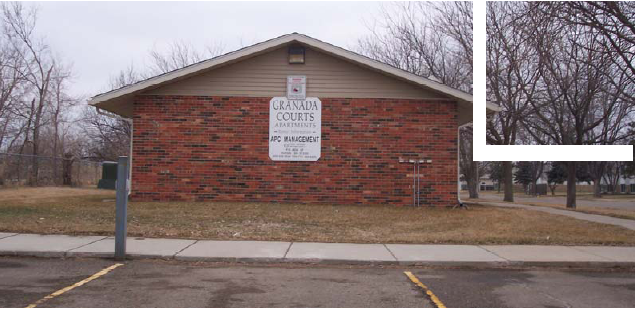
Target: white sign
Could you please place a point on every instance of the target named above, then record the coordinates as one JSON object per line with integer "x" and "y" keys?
{"x": 296, "y": 87}
{"x": 295, "y": 129}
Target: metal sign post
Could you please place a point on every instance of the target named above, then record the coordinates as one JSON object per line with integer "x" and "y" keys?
{"x": 121, "y": 229}
{"x": 416, "y": 178}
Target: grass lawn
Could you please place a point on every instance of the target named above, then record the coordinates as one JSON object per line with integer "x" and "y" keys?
{"x": 90, "y": 211}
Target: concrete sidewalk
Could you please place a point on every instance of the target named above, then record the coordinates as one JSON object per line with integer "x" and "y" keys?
{"x": 581, "y": 201}
{"x": 271, "y": 251}
{"x": 603, "y": 219}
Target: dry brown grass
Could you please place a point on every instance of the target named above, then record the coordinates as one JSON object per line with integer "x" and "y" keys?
{"x": 87, "y": 213}
{"x": 27, "y": 194}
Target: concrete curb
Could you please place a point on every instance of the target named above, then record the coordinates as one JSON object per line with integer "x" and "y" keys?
{"x": 329, "y": 261}
{"x": 313, "y": 261}
{"x": 34, "y": 254}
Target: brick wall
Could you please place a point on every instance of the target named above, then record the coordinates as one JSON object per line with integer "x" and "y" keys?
{"x": 216, "y": 148}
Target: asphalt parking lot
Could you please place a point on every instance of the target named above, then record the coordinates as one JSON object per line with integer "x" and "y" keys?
{"x": 153, "y": 283}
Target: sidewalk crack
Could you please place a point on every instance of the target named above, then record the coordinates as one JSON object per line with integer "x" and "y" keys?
{"x": 14, "y": 234}
{"x": 287, "y": 251}
{"x": 183, "y": 249}
{"x": 391, "y": 253}
{"x": 593, "y": 254}
{"x": 490, "y": 252}
{"x": 83, "y": 245}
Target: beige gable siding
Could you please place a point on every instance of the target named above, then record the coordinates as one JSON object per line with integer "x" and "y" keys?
{"x": 265, "y": 76}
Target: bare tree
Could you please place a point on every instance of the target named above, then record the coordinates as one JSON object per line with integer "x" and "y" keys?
{"x": 559, "y": 71}
{"x": 11, "y": 66}
{"x": 614, "y": 21}
{"x": 537, "y": 169}
{"x": 582, "y": 93}
{"x": 180, "y": 54}
{"x": 19, "y": 25}
{"x": 110, "y": 134}
{"x": 125, "y": 77}
{"x": 612, "y": 175}
{"x": 38, "y": 116}
{"x": 60, "y": 103}
{"x": 511, "y": 77}
{"x": 597, "y": 170}
{"x": 35, "y": 108}
{"x": 430, "y": 39}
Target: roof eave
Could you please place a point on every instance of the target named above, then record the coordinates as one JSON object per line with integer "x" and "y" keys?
{"x": 192, "y": 69}
{"x": 258, "y": 48}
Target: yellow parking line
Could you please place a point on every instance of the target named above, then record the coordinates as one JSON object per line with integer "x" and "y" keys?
{"x": 437, "y": 302}
{"x": 80, "y": 283}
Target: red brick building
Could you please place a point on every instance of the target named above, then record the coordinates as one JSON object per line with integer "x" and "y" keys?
{"x": 206, "y": 131}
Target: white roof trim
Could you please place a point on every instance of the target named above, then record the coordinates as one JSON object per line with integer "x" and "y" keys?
{"x": 263, "y": 46}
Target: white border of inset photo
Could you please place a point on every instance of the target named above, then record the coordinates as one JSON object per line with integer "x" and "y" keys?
{"x": 484, "y": 152}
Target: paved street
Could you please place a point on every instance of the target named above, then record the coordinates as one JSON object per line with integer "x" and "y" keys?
{"x": 150, "y": 283}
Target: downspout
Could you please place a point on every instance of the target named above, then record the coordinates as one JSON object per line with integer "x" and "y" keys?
{"x": 458, "y": 166}
{"x": 493, "y": 107}
{"x": 128, "y": 120}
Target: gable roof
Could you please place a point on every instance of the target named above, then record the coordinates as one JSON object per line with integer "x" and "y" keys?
{"x": 125, "y": 94}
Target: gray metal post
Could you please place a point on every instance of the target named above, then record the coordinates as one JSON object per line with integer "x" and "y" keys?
{"x": 418, "y": 183}
{"x": 414, "y": 184}
{"x": 121, "y": 229}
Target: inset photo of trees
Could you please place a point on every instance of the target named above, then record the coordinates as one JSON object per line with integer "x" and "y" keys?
{"x": 564, "y": 72}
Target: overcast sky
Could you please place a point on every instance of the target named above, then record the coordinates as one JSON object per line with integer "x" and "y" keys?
{"x": 101, "y": 38}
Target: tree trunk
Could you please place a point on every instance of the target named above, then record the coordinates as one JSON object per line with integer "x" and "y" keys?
{"x": 509, "y": 181}
{"x": 55, "y": 140}
{"x": 471, "y": 186}
{"x": 36, "y": 143}
{"x": 571, "y": 180}
{"x": 67, "y": 169}
{"x": 616, "y": 183}
{"x": 597, "y": 187}
{"x": 472, "y": 181}
{"x": 35, "y": 164}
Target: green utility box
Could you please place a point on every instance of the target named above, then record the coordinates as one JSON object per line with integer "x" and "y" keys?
{"x": 108, "y": 175}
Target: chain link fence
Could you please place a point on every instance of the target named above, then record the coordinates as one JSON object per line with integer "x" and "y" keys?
{"x": 29, "y": 170}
